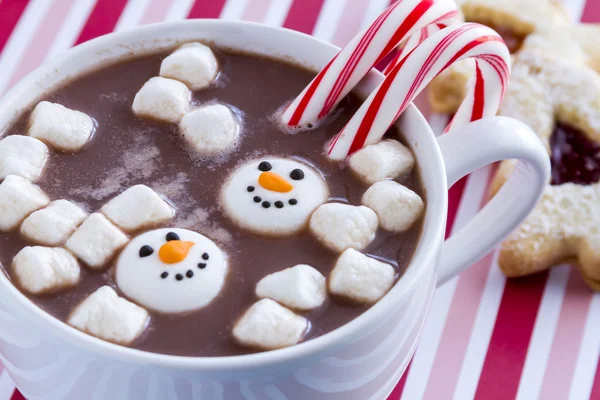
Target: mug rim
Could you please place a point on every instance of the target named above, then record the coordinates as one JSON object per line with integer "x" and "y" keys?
{"x": 425, "y": 255}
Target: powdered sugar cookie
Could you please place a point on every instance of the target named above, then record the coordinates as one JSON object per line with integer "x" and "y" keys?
{"x": 525, "y": 25}
{"x": 561, "y": 102}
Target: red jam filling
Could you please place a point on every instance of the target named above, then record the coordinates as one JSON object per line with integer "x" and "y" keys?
{"x": 575, "y": 158}
{"x": 512, "y": 40}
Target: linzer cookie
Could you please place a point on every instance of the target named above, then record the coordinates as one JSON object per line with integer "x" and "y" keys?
{"x": 561, "y": 102}
{"x": 525, "y": 25}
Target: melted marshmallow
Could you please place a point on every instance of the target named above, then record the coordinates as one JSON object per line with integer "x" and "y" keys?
{"x": 273, "y": 196}
{"x": 178, "y": 287}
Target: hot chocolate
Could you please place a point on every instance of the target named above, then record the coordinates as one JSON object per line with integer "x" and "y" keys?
{"x": 185, "y": 209}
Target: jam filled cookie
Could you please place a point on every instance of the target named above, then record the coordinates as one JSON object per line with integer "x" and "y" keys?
{"x": 561, "y": 102}
{"x": 525, "y": 25}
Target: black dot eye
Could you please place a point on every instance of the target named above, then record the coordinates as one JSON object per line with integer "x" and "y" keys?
{"x": 172, "y": 236}
{"x": 297, "y": 174}
{"x": 146, "y": 250}
{"x": 205, "y": 256}
{"x": 265, "y": 166}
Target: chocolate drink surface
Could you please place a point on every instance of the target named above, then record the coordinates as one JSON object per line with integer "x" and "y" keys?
{"x": 127, "y": 150}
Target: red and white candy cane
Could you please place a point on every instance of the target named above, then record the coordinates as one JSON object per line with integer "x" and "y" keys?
{"x": 397, "y": 23}
{"x": 411, "y": 43}
{"x": 410, "y": 76}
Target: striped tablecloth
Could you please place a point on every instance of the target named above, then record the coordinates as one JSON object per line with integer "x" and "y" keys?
{"x": 485, "y": 337}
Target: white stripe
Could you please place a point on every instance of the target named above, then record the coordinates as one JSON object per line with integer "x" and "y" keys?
{"x": 132, "y": 14}
{"x": 179, "y": 10}
{"x": 422, "y": 362}
{"x": 329, "y": 18}
{"x": 233, "y": 9}
{"x": 540, "y": 344}
{"x": 481, "y": 334}
{"x": 374, "y": 9}
{"x": 589, "y": 351}
{"x": 7, "y": 386}
{"x": 438, "y": 122}
{"x": 71, "y": 27}
{"x": 575, "y": 8}
{"x": 277, "y": 12}
{"x": 19, "y": 41}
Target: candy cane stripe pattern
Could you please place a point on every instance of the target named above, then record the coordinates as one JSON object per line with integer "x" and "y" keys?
{"x": 397, "y": 23}
{"x": 413, "y": 72}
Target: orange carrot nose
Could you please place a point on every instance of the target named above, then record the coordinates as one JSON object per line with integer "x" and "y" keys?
{"x": 174, "y": 251}
{"x": 274, "y": 182}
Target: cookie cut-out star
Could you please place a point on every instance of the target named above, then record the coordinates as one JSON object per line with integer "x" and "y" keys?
{"x": 561, "y": 103}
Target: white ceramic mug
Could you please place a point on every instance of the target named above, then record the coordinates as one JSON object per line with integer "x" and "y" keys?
{"x": 362, "y": 360}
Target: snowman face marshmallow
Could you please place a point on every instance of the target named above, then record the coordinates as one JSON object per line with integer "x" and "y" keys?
{"x": 273, "y": 196}
{"x": 171, "y": 270}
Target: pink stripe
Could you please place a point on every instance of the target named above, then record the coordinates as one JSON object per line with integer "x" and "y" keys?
{"x": 256, "y": 10}
{"x": 457, "y": 331}
{"x": 156, "y": 11}
{"x": 350, "y": 21}
{"x": 567, "y": 338}
{"x": 47, "y": 30}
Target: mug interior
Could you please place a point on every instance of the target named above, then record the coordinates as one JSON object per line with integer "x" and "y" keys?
{"x": 256, "y": 39}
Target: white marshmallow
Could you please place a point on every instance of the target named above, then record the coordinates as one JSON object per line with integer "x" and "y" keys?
{"x": 109, "y": 317}
{"x": 23, "y": 156}
{"x": 360, "y": 278}
{"x": 380, "y": 161}
{"x": 96, "y": 241}
{"x": 210, "y": 129}
{"x": 45, "y": 269}
{"x": 52, "y": 225}
{"x": 193, "y": 64}
{"x": 267, "y": 325}
{"x": 301, "y": 287}
{"x": 137, "y": 207}
{"x": 342, "y": 226}
{"x": 162, "y": 99}
{"x": 397, "y": 207}
{"x": 18, "y": 199}
{"x": 248, "y": 191}
{"x": 171, "y": 286}
{"x": 63, "y": 128}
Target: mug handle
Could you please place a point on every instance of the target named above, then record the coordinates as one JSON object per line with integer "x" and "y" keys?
{"x": 478, "y": 144}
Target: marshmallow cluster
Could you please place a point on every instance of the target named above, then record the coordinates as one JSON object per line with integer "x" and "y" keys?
{"x": 45, "y": 269}
{"x": 359, "y": 278}
{"x": 137, "y": 207}
{"x": 23, "y": 156}
{"x": 96, "y": 241}
{"x": 62, "y": 128}
{"x": 387, "y": 159}
{"x": 301, "y": 287}
{"x": 162, "y": 99}
{"x": 342, "y": 226}
{"x": 18, "y": 198}
{"x": 193, "y": 64}
{"x": 149, "y": 273}
{"x": 52, "y": 226}
{"x": 267, "y": 325}
{"x": 210, "y": 129}
{"x": 397, "y": 207}
{"x": 107, "y": 316}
